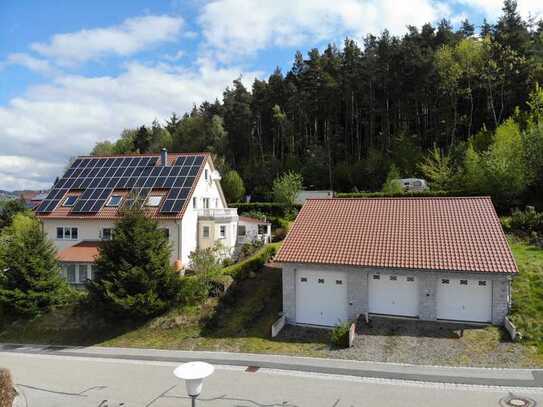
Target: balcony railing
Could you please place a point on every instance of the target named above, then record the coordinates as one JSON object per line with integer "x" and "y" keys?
{"x": 218, "y": 212}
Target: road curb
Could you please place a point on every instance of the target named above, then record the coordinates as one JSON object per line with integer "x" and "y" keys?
{"x": 531, "y": 378}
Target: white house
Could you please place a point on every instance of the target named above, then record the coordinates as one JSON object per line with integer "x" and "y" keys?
{"x": 413, "y": 184}
{"x": 424, "y": 258}
{"x": 253, "y": 229}
{"x": 181, "y": 191}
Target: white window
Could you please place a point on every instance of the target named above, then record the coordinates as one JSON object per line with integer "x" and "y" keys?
{"x": 482, "y": 283}
{"x": 205, "y": 231}
{"x": 83, "y": 273}
{"x": 114, "y": 200}
{"x": 206, "y": 203}
{"x": 463, "y": 282}
{"x": 216, "y": 202}
{"x": 106, "y": 234}
{"x": 393, "y": 278}
{"x": 153, "y": 200}
{"x": 242, "y": 231}
{"x": 195, "y": 202}
{"x": 70, "y": 201}
{"x": 445, "y": 281}
{"x": 206, "y": 174}
{"x": 376, "y": 277}
{"x": 94, "y": 270}
{"x": 70, "y": 273}
{"x": 222, "y": 231}
{"x": 262, "y": 229}
{"x": 67, "y": 233}
{"x": 410, "y": 279}
{"x": 303, "y": 279}
{"x": 321, "y": 280}
{"x": 339, "y": 282}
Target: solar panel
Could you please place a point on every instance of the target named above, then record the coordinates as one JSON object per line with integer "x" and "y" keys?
{"x": 98, "y": 177}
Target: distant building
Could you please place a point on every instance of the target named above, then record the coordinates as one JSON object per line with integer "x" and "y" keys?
{"x": 252, "y": 229}
{"x": 413, "y": 184}
{"x": 303, "y": 196}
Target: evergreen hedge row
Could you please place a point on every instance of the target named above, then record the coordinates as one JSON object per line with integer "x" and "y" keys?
{"x": 241, "y": 270}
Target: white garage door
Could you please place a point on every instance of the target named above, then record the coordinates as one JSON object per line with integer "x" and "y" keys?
{"x": 393, "y": 295}
{"x": 321, "y": 297}
{"x": 464, "y": 300}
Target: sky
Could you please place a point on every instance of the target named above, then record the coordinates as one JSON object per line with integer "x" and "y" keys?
{"x": 76, "y": 72}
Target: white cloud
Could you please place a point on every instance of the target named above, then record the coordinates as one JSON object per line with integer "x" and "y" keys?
{"x": 245, "y": 26}
{"x": 54, "y": 122}
{"x": 133, "y": 35}
{"x": 492, "y": 9}
{"x": 34, "y": 64}
{"x": 19, "y": 172}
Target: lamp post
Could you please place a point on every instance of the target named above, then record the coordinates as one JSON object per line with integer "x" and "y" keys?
{"x": 194, "y": 373}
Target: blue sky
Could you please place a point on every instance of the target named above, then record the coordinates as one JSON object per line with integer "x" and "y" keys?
{"x": 74, "y": 72}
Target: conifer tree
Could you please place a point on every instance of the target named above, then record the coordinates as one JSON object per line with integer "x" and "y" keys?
{"x": 30, "y": 279}
{"x": 134, "y": 276}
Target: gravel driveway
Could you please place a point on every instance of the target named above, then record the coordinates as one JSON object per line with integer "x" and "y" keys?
{"x": 427, "y": 343}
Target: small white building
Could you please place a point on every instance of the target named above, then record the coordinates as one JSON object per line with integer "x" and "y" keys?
{"x": 413, "y": 184}
{"x": 253, "y": 229}
{"x": 182, "y": 192}
{"x": 303, "y": 195}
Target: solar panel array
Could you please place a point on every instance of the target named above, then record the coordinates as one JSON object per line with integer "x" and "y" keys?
{"x": 99, "y": 177}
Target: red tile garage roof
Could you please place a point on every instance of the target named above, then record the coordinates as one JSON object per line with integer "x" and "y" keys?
{"x": 457, "y": 234}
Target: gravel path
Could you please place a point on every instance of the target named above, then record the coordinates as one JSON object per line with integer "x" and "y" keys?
{"x": 427, "y": 343}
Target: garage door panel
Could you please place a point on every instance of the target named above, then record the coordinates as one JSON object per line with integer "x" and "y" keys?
{"x": 464, "y": 299}
{"x": 392, "y": 294}
{"x": 321, "y": 297}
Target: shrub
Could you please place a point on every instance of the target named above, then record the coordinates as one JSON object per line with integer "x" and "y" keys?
{"x": 526, "y": 222}
{"x": 7, "y": 393}
{"x": 241, "y": 270}
{"x": 276, "y": 209}
{"x": 340, "y": 335}
{"x": 286, "y": 187}
{"x": 193, "y": 290}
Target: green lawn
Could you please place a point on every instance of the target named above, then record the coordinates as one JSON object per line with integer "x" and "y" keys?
{"x": 527, "y": 311}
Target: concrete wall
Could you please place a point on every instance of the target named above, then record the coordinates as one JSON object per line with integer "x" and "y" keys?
{"x": 358, "y": 286}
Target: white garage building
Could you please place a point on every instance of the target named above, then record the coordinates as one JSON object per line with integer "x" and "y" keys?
{"x": 426, "y": 258}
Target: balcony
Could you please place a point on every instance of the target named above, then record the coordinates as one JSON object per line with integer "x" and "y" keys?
{"x": 218, "y": 213}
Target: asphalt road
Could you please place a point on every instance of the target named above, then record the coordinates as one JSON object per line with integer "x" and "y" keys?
{"x": 47, "y": 381}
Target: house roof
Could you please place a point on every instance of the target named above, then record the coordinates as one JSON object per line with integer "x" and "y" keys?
{"x": 82, "y": 252}
{"x": 453, "y": 234}
{"x": 250, "y": 219}
{"x": 94, "y": 179}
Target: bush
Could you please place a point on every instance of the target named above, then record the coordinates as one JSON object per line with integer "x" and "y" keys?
{"x": 194, "y": 290}
{"x": 233, "y": 186}
{"x": 268, "y": 208}
{"x": 7, "y": 392}
{"x": 340, "y": 336}
{"x": 526, "y": 222}
{"x": 241, "y": 270}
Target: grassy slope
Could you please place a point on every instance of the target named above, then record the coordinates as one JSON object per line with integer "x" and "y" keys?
{"x": 528, "y": 293}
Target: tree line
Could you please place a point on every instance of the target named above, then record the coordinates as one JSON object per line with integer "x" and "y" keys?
{"x": 344, "y": 116}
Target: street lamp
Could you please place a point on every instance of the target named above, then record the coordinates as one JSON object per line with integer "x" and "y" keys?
{"x": 194, "y": 373}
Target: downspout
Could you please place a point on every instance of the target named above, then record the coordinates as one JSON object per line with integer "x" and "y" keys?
{"x": 179, "y": 239}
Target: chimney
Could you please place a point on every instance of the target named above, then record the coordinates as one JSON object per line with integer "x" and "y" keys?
{"x": 164, "y": 157}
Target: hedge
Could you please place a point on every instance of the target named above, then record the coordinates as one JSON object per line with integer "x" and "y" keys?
{"x": 268, "y": 208}
{"x": 401, "y": 194}
{"x": 7, "y": 393}
{"x": 241, "y": 270}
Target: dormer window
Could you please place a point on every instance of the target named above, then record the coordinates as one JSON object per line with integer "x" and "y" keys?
{"x": 114, "y": 201}
{"x": 153, "y": 200}
{"x": 70, "y": 201}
